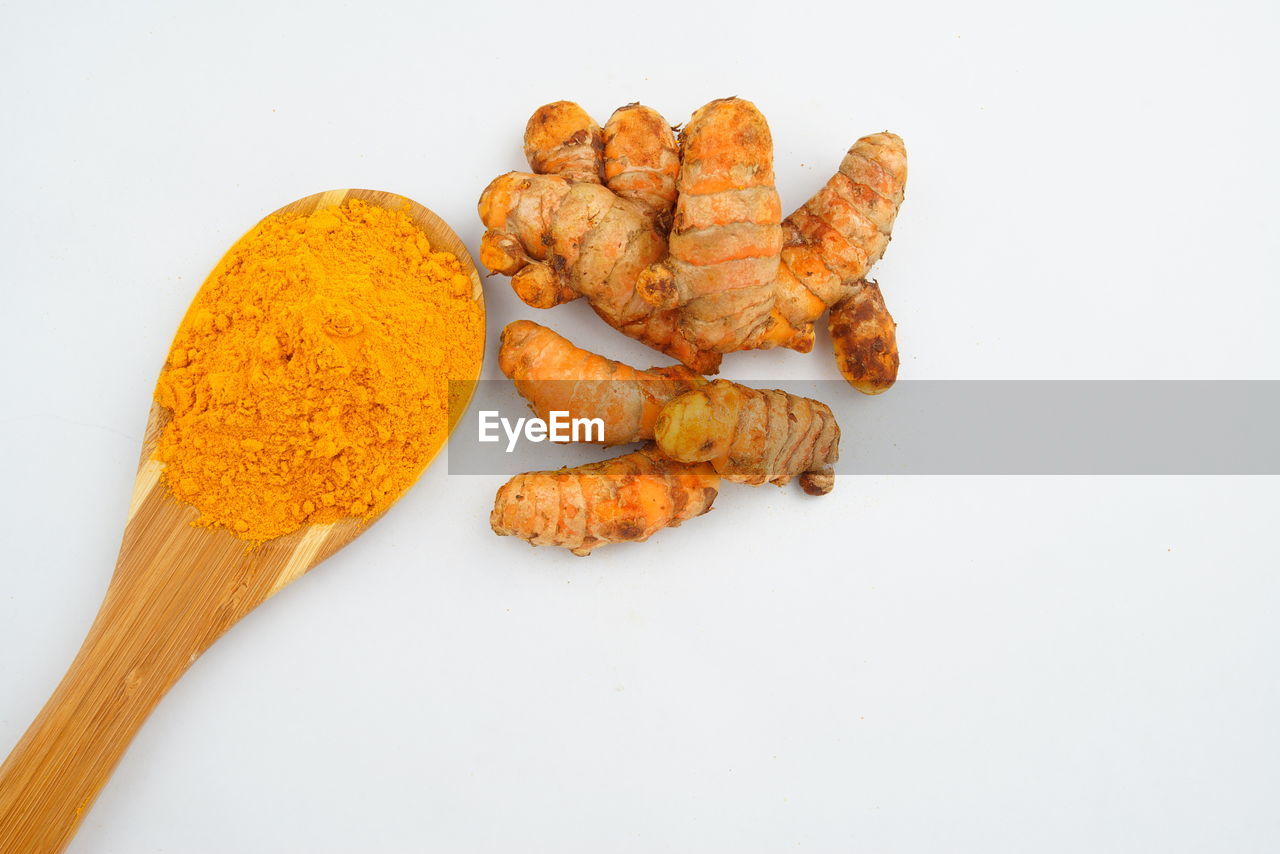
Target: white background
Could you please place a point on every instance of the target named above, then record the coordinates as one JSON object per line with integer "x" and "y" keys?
{"x": 913, "y": 664}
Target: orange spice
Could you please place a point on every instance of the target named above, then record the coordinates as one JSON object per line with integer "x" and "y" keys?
{"x": 309, "y": 380}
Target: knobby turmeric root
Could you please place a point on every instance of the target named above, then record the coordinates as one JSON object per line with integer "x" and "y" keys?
{"x": 864, "y": 338}
{"x": 554, "y": 375}
{"x": 625, "y": 499}
{"x": 560, "y": 240}
{"x": 641, "y": 160}
{"x": 832, "y": 241}
{"x": 742, "y": 281}
{"x": 726, "y": 238}
{"x": 750, "y": 436}
{"x": 561, "y": 139}
{"x": 561, "y": 234}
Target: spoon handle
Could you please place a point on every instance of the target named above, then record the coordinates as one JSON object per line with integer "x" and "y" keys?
{"x": 175, "y": 590}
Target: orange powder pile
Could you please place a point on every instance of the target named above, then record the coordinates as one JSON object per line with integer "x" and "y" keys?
{"x": 309, "y": 380}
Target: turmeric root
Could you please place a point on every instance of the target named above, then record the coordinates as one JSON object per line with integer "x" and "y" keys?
{"x": 561, "y": 139}
{"x": 554, "y": 375}
{"x": 726, "y": 238}
{"x": 562, "y": 234}
{"x": 752, "y": 436}
{"x": 641, "y": 160}
{"x": 625, "y": 499}
{"x": 864, "y": 338}
{"x": 749, "y": 436}
{"x": 832, "y": 241}
{"x": 559, "y": 240}
{"x": 721, "y": 247}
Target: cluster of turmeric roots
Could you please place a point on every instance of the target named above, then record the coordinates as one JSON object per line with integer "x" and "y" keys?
{"x": 695, "y": 431}
{"x": 679, "y": 242}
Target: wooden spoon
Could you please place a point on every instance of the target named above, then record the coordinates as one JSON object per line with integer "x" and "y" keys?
{"x": 175, "y": 590}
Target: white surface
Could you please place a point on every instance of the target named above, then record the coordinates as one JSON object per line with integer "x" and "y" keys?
{"x": 912, "y": 665}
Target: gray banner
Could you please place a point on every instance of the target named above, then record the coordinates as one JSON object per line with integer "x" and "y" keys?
{"x": 972, "y": 427}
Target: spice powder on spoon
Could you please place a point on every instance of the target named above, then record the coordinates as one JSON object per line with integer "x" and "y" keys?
{"x": 309, "y": 380}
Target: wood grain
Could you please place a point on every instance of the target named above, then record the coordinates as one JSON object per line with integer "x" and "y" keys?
{"x": 175, "y": 590}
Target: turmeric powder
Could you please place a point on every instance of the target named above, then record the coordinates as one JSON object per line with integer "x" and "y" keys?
{"x": 309, "y": 380}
